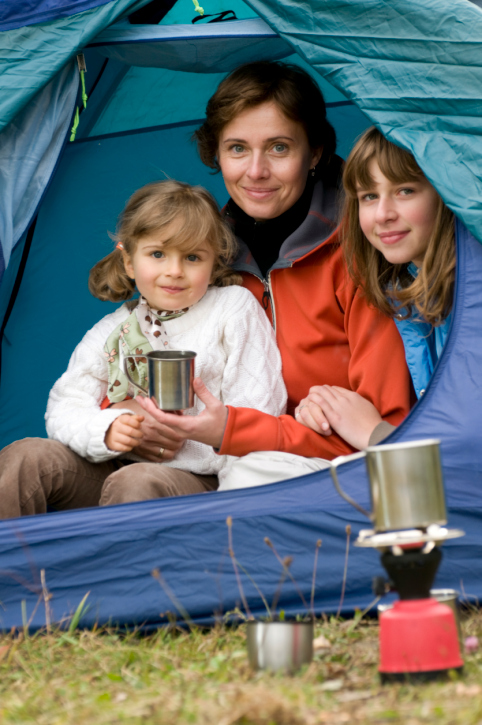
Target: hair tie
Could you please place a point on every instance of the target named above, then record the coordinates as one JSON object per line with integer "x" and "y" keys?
{"x": 119, "y": 245}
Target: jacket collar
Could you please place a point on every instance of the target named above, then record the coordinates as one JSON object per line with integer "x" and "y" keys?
{"x": 317, "y": 227}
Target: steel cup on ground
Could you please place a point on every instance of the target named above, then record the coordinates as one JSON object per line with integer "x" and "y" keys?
{"x": 279, "y": 646}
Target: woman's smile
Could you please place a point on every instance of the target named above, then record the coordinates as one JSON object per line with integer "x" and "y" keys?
{"x": 265, "y": 158}
{"x": 259, "y": 193}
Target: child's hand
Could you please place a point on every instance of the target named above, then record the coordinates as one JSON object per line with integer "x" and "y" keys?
{"x": 155, "y": 437}
{"x": 124, "y": 433}
{"x": 353, "y": 417}
{"x": 207, "y": 427}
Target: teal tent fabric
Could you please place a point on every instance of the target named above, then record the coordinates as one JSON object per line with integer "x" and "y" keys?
{"x": 415, "y": 70}
{"x": 183, "y": 10}
{"x": 31, "y": 56}
{"x": 213, "y": 47}
{"x": 38, "y": 87}
{"x": 19, "y": 13}
{"x": 29, "y": 149}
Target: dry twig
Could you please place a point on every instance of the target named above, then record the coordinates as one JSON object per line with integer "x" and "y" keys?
{"x": 345, "y": 570}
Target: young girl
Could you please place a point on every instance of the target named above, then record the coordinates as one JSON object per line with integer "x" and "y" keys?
{"x": 399, "y": 246}
{"x": 173, "y": 245}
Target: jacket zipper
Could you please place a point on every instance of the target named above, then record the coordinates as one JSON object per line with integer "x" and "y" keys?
{"x": 268, "y": 298}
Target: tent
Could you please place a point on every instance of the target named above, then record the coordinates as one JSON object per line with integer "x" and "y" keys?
{"x": 412, "y": 67}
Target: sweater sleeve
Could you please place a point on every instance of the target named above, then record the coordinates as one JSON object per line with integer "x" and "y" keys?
{"x": 376, "y": 370}
{"x": 380, "y": 432}
{"x": 252, "y": 375}
{"x": 74, "y": 416}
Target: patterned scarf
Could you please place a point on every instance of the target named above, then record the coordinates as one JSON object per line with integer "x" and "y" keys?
{"x": 141, "y": 333}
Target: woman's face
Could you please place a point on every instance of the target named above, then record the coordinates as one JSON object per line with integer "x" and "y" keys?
{"x": 265, "y": 158}
{"x": 398, "y": 218}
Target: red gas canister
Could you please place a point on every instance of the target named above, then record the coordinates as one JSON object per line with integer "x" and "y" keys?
{"x": 418, "y": 637}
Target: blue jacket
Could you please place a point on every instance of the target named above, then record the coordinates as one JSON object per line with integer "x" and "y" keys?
{"x": 423, "y": 345}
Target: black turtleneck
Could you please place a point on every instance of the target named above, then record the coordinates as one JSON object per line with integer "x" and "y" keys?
{"x": 264, "y": 238}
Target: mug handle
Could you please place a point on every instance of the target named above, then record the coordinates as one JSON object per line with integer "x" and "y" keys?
{"x": 333, "y": 466}
{"x": 144, "y": 390}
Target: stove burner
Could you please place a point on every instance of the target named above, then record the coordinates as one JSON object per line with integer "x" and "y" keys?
{"x": 412, "y": 574}
{"x": 410, "y": 538}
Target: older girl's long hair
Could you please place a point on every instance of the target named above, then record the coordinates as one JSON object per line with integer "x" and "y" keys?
{"x": 151, "y": 210}
{"x": 390, "y": 287}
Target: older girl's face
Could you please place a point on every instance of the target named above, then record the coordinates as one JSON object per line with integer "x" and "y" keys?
{"x": 265, "y": 158}
{"x": 398, "y": 218}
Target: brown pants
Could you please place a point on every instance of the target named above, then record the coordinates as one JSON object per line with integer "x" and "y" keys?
{"x": 36, "y": 473}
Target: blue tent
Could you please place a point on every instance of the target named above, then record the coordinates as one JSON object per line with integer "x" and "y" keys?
{"x": 412, "y": 67}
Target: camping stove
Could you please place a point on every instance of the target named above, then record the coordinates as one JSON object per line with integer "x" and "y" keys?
{"x": 418, "y": 636}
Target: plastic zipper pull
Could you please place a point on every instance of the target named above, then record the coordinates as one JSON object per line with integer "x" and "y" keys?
{"x": 266, "y": 299}
{"x": 198, "y": 8}
{"x": 82, "y": 70}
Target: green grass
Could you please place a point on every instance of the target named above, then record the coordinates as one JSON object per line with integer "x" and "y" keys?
{"x": 172, "y": 677}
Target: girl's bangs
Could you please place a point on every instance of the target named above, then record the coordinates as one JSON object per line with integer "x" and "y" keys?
{"x": 189, "y": 235}
{"x": 395, "y": 163}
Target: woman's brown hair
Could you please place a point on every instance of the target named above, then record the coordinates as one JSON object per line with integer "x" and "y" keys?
{"x": 151, "y": 210}
{"x": 390, "y": 287}
{"x": 294, "y": 92}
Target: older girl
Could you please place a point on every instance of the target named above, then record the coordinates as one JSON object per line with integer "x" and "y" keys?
{"x": 173, "y": 245}
{"x": 398, "y": 242}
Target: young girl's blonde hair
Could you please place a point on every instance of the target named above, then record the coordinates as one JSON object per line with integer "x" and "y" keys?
{"x": 390, "y": 287}
{"x": 151, "y": 210}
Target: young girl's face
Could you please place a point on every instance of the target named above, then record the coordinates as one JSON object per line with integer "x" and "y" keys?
{"x": 170, "y": 279}
{"x": 398, "y": 218}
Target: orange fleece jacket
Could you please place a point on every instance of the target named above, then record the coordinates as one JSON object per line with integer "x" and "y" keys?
{"x": 326, "y": 334}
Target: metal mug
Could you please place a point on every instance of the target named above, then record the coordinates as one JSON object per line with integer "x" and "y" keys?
{"x": 170, "y": 375}
{"x": 450, "y": 597}
{"x": 406, "y": 485}
{"x": 279, "y": 646}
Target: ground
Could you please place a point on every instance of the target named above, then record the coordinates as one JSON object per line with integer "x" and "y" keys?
{"x": 180, "y": 677}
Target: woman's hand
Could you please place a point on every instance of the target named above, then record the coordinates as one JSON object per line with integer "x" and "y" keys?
{"x": 310, "y": 413}
{"x": 124, "y": 433}
{"x": 158, "y": 442}
{"x": 207, "y": 427}
{"x": 353, "y": 417}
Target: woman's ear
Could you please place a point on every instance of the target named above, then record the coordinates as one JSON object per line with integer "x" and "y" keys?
{"x": 316, "y": 156}
{"x": 128, "y": 265}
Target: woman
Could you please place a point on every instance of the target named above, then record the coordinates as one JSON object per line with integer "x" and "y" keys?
{"x": 266, "y": 131}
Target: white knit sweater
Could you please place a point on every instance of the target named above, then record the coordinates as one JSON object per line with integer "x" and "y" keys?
{"x": 237, "y": 359}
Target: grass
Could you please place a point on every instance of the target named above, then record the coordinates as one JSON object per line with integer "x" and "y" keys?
{"x": 176, "y": 678}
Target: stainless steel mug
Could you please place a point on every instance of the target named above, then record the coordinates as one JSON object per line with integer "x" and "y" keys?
{"x": 170, "y": 375}
{"x": 451, "y": 598}
{"x": 279, "y": 646}
{"x": 406, "y": 485}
